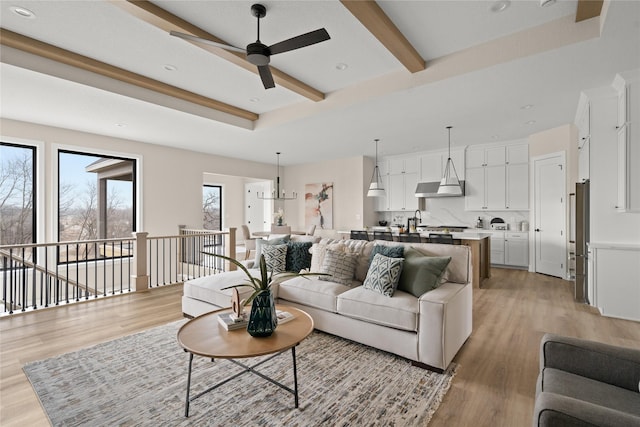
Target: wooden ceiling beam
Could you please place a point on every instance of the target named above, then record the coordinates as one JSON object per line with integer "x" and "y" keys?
{"x": 166, "y": 21}
{"x": 588, "y": 9}
{"x": 45, "y": 50}
{"x": 378, "y": 23}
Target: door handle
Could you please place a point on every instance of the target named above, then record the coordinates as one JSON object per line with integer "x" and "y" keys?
{"x": 537, "y": 230}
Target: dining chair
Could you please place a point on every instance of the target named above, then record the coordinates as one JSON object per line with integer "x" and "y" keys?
{"x": 445, "y": 239}
{"x": 280, "y": 229}
{"x": 311, "y": 230}
{"x": 410, "y": 238}
{"x": 249, "y": 242}
{"x": 359, "y": 235}
{"x": 382, "y": 235}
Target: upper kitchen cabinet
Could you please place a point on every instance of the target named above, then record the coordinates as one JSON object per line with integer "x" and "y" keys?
{"x": 432, "y": 165}
{"x": 627, "y": 87}
{"x": 497, "y": 177}
{"x": 400, "y": 178}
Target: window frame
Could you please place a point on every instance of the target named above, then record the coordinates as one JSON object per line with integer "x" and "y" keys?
{"x": 220, "y": 189}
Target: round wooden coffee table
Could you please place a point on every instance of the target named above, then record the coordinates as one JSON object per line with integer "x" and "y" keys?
{"x": 204, "y": 336}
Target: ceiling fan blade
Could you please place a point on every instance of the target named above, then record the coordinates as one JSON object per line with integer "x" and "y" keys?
{"x": 206, "y": 41}
{"x": 265, "y": 75}
{"x": 302, "y": 40}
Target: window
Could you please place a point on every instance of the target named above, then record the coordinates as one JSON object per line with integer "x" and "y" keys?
{"x": 96, "y": 200}
{"x": 17, "y": 194}
{"x": 212, "y": 207}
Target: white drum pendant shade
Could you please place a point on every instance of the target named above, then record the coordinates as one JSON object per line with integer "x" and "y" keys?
{"x": 450, "y": 184}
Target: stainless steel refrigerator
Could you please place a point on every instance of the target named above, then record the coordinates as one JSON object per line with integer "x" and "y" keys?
{"x": 582, "y": 238}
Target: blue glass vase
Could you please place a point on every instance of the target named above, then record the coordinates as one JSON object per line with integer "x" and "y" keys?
{"x": 263, "y": 319}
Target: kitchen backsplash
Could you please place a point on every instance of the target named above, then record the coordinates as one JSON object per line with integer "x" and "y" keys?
{"x": 451, "y": 211}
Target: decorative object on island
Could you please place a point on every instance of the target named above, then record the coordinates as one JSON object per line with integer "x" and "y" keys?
{"x": 450, "y": 183}
{"x": 263, "y": 317}
{"x": 275, "y": 194}
{"x": 318, "y": 205}
{"x": 375, "y": 187}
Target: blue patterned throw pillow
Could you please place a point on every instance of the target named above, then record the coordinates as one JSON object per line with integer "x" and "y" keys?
{"x": 384, "y": 274}
{"x": 298, "y": 256}
{"x": 390, "y": 251}
{"x": 275, "y": 256}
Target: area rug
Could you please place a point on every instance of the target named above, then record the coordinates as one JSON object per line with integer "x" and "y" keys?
{"x": 140, "y": 380}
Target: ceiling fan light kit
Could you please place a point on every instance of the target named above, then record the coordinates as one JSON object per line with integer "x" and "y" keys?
{"x": 450, "y": 184}
{"x": 258, "y": 53}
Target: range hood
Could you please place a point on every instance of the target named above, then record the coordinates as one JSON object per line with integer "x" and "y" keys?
{"x": 430, "y": 190}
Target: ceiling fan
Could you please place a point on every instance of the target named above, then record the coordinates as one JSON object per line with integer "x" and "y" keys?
{"x": 258, "y": 53}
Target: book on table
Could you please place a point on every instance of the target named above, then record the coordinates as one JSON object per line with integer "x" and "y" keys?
{"x": 283, "y": 316}
{"x": 230, "y": 323}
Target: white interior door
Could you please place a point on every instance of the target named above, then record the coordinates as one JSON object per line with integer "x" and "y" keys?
{"x": 549, "y": 221}
{"x": 256, "y": 213}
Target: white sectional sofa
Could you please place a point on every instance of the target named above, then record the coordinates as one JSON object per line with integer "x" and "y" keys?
{"x": 428, "y": 330}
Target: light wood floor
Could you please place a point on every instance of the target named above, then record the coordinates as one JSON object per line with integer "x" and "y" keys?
{"x": 495, "y": 384}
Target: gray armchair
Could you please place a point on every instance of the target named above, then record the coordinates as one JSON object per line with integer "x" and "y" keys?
{"x": 586, "y": 383}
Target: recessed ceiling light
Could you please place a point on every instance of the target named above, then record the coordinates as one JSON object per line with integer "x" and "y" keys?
{"x": 526, "y": 107}
{"x": 22, "y": 12}
{"x": 169, "y": 67}
{"x": 531, "y": 122}
{"x": 254, "y": 99}
{"x": 341, "y": 66}
{"x": 500, "y": 6}
{"x": 121, "y": 125}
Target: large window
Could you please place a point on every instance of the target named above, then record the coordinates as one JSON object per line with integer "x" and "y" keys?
{"x": 96, "y": 200}
{"x": 17, "y": 194}
{"x": 212, "y": 207}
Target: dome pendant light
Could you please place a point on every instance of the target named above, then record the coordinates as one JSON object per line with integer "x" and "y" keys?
{"x": 450, "y": 184}
{"x": 375, "y": 187}
{"x": 276, "y": 195}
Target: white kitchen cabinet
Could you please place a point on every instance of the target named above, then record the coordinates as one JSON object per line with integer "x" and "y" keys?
{"x": 614, "y": 270}
{"x": 399, "y": 178}
{"x": 432, "y": 165}
{"x": 516, "y": 249}
{"x": 517, "y": 176}
{"x": 497, "y": 178}
{"x": 497, "y": 247}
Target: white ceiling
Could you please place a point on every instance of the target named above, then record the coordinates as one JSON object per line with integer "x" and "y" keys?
{"x": 375, "y": 97}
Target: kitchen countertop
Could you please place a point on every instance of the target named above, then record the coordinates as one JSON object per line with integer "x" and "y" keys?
{"x": 469, "y": 235}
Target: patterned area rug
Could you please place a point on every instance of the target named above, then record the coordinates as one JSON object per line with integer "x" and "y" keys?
{"x": 141, "y": 380}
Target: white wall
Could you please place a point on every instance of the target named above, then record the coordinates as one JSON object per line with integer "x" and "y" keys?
{"x": 351, "y": 208}
{"x": 171, "y": 179}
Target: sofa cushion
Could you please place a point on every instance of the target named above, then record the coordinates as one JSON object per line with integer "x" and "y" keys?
{"x": 209, "y": 288}
{"x": 361, "y": 248}
{"x": 421, "y": 273}
{"x": 588, "y": 390}
{"x": 275, "y": 256}
{"x": 384, "y": 274}
{"x": 260, "y": 243}
{"x": 399, "y": 312}
{"x": 340, "y": 267}
{"x": 298, "y": 256}
{"x": 312, "y": 292}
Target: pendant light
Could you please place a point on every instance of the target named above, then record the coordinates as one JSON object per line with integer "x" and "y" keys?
{"x": 375, "y": 187}
{"x": 450, "y": 184}
{"x": 275, "y": 194}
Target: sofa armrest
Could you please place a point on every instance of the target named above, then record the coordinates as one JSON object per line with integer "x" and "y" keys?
{"x": 618, "y": 366}
{"x": 555, "y": 410}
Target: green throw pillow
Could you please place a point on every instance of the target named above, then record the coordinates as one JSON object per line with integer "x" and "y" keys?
{"x": 298, "y": 256}
{"x": 421, "y": 273}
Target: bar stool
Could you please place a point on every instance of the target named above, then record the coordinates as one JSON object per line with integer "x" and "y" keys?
{"x": 444, "y": 239}
{"x": 382, "y": 235}
{"x": 359, "y": 235}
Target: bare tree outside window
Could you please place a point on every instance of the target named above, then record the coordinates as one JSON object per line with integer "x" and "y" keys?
{"x": 17, "y": 194}
{"x": 96, "y": 200}
{"x": 212, "y": 207}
